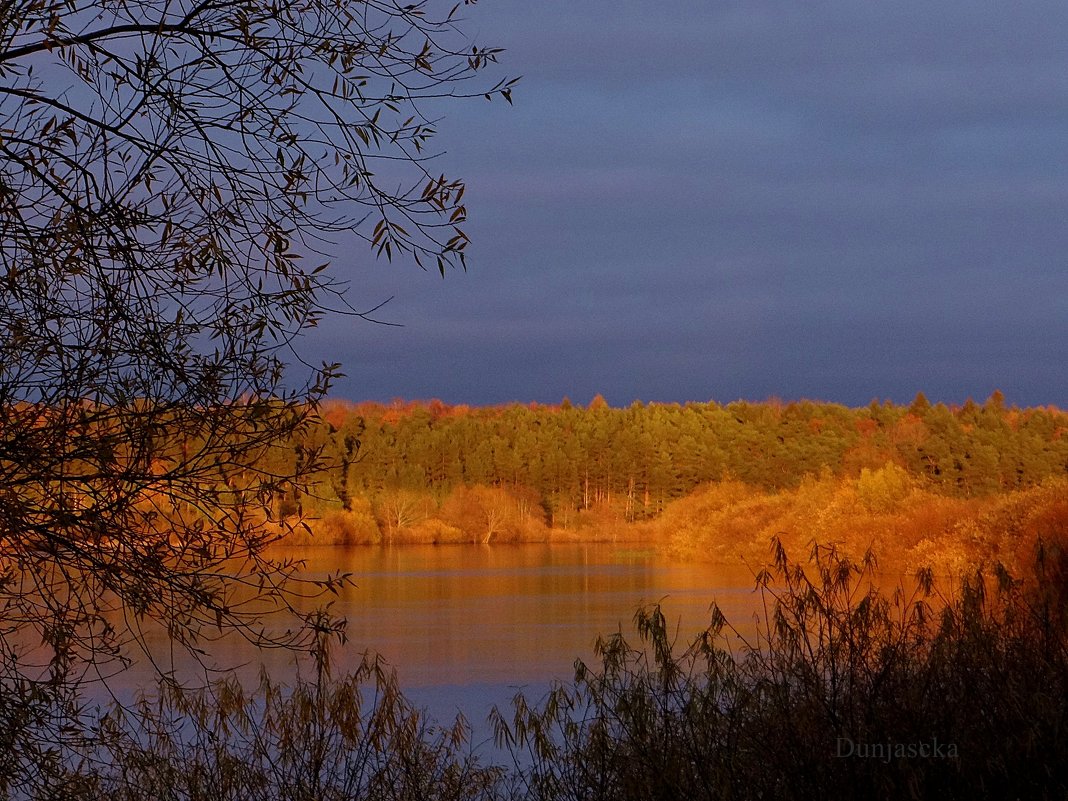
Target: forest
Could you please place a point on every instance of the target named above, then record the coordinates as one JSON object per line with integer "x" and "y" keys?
{"x": 923, "y": 483}
{"x": 952, "y": 685}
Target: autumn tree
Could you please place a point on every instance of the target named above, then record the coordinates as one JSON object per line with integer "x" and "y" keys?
{"x": 171, "y": 174}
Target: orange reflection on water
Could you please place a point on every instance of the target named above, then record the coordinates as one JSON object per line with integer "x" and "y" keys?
{"x": 472, "y": 614}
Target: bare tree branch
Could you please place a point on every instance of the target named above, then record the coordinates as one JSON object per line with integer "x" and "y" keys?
{"x": 167, "y": 168}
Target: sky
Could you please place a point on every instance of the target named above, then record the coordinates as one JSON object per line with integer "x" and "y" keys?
{"x": 833, "y": 200}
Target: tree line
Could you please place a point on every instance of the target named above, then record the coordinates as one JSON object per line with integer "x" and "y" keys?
{"x": 567, "y": 459}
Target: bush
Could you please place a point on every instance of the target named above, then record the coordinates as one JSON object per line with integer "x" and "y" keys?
{"x": 494, "y": 515}
{"x": 355, "y": 525}
{"x": 883, "y": 490}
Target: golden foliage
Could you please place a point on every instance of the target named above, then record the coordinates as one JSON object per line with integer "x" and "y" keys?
{"x": 907, "y": 525}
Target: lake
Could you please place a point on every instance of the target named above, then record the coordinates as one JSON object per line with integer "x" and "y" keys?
{"x": 466, "y": 626}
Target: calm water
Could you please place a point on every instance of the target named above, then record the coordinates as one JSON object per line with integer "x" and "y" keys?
{"x": 466, "y": 626}
{"x": 468, "y": 615}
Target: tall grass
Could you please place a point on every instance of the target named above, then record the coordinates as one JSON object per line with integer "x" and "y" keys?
{"x": 321, "y": 739}
{"x": 847, "y": 691}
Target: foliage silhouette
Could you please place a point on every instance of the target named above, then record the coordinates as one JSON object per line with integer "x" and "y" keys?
{"x": 170, "y": 173}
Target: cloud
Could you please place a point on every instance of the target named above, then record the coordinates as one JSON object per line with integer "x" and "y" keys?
{"x": 831, "y": 199}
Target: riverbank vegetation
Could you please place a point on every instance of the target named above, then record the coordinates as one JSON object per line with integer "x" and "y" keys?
{"x": 924, "y": 484}
{"x": 847, "y": 691}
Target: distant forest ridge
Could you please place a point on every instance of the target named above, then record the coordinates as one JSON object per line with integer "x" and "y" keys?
{"x": 651, "y": 453}
{"x": 707, "y": 479}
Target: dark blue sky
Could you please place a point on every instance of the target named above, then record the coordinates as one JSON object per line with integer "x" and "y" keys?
{"x": 693, "y": 200}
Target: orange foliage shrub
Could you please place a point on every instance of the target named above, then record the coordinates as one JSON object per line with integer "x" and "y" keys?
{"x": 354, "y": 526}
{"x": 433, "y": 531}
{"x": 602, "y": 522}
{"x": 906, "y": 525}
{"x": 346, "y": 528}
{"x": 493, "y": 514}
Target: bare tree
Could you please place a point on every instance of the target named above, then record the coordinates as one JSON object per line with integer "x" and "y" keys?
{"x": 171, "y": 174}
{"x": 400, "y": 509}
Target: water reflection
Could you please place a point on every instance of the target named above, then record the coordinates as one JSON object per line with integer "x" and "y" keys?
{"x": 470, "y": 614}
{"x": 465, "y": 626}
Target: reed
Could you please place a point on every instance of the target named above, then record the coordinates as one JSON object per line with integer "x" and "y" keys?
{"x": 847, "y": 691}
{"x": 321, "y": 739}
